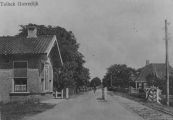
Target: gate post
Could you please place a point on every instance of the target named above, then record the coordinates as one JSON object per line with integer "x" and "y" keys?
{"x": 62, "y": 95}
{"x": 55, "y": 94}
{"x": 67, "y": 93}
{"x": 105, "y": 93}
{"x": 158, "y": 95}
{"x": 147, "y": 92}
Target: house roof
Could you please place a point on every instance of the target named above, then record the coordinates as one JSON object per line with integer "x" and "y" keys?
{"x": 23, "y": 45}
{"x": 133, "y": 78}
{"x": 159, "y": 69}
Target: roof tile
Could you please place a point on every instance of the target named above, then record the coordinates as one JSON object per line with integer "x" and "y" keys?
{"x": 23, "y": 45}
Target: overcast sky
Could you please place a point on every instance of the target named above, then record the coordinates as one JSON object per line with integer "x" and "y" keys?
{"x": 109, "y": 31}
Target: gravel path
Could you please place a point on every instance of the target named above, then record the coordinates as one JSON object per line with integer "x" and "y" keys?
{"x": 143, "y": 111}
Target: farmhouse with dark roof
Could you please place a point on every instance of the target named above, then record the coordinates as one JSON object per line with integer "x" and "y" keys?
{"x": 158, "y": 69}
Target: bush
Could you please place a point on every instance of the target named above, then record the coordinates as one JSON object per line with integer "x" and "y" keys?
{"x": 123, "y": 90}
{"x": 112, "y": 89}
{"x": 161, "y": 83}
{"x": 141, "y": 91}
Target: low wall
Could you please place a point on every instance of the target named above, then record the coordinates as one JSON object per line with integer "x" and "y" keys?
{"x": 30, "y": 97}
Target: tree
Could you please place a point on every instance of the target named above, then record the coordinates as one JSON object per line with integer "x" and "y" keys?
{"x": 95, "y": 82}
{"x": 72, "y": 73}
{"x": 138, "y": 71}
{"x": 119, "y": 75}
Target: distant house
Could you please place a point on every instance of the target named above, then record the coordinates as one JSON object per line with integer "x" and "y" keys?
{"x": 26, "y": 69}
{"x": 133, "y": 77}
{"x": 158, "y": 69}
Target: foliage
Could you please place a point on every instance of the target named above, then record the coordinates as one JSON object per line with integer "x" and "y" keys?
{"x": 72, "y": 72}
{"x": 119, "y": 75}
{"x": 138, "y": 71}
{"x": 153, "y": 80}
{"x": 95, "y": 82}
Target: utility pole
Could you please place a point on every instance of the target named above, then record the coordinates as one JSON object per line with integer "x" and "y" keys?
{"x": 111, "y": 80}
{"x": 167, "y": 65}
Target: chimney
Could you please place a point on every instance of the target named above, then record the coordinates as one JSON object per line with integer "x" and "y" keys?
{"x": 32, "y": 31}
{"x": 147, "y": 62}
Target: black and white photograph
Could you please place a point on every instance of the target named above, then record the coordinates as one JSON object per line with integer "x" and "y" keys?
{"x": 86, "y": 59}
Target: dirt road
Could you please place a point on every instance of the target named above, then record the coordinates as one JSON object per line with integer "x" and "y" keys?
{"x": 87, "y": 107}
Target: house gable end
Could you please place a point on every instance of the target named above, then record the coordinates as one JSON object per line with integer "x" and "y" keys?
{"x": 54, "y": 42}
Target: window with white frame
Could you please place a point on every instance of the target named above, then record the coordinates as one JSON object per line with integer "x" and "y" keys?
{"x": 140, "y": 85}
{"x": 20, "y": 76}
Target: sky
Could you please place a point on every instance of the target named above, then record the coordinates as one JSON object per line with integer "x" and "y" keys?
{"x": 109, "y": 31}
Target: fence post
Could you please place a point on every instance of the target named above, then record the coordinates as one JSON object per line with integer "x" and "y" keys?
{"x": 67, "y": 93}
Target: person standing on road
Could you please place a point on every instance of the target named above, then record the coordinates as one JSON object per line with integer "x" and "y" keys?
{"x": 94, "y": 88}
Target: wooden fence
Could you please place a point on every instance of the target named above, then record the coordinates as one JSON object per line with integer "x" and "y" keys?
{"x": 133, "y": 90}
